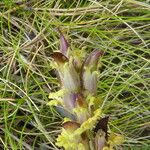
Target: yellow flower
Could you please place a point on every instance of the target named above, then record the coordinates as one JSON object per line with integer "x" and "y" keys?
{"x": 53, "y": 103}
{"x": 56, "y": 98}
{"x": 69, "y": 140}
{"x": 115, "y": 139}
{"x": 89, "y": 124}
{"x": 57, "y": 95}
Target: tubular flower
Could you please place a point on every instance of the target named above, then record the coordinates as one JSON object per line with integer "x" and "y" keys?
{"x": 68, "y": 138}
{"x": 68, "y": 75}
{"x": 83, "y": 126}
{"x": 100, "y": 140}
{"x": 90, "y": 72}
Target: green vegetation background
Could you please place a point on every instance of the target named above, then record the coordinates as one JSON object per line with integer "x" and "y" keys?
{"x": 120, "y": 28}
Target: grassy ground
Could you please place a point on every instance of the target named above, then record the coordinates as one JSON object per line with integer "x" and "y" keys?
{"x": 121, "y": 28}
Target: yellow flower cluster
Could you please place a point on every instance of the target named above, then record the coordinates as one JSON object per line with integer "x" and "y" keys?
{"x": 68, "y": 140}
{"x": 72, "y": 140}
{"x": 114, "y": 140}
{"x": 89, "y": 124}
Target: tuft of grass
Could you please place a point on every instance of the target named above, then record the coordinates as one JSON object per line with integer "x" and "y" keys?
{"x": 27, "y": 38}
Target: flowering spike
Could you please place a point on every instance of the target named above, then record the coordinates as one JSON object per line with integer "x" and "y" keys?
{"x": 83, "y": 127}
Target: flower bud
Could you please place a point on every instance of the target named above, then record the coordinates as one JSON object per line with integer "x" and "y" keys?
{"x": 67, "y": 73}
{"x": 92, "y": 60}
{"x": 63, "y": 44}
{"x": 89, "y": 74}
{"x": 90, "y": 81}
